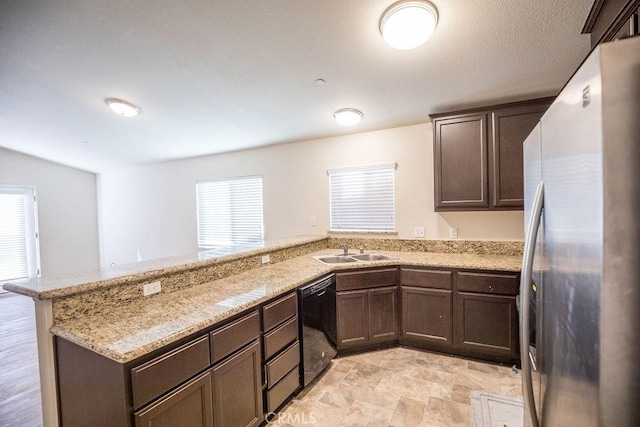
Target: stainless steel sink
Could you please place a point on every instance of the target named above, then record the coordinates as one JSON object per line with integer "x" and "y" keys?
{"x": 370, "y": 257}
{"x": 338, "y": 259}
{"x": 341, "y": 259}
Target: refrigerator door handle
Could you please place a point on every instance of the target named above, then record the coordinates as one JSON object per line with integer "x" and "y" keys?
{"x": 525, "y": 296}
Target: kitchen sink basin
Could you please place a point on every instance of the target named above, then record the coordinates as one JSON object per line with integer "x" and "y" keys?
{"x": 341, "y": 259}
{"x": 370, "y": 257}
{"x": 338, "y": 259}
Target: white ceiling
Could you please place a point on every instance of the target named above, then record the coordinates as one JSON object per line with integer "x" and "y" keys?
{"x": 221, "y": 75}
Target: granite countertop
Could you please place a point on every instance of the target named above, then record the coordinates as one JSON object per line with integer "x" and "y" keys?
{"x": 69, "y": 284}
{"x": 133, "y": 330}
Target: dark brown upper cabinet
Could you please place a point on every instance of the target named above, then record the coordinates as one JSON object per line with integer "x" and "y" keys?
{"x": 611, "y": 20}
{"x": 478, "y": 156}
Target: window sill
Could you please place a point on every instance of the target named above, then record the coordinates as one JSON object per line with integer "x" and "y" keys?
{"x": 362, "y": 233}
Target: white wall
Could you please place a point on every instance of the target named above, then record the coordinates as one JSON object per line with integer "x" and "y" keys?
{"x": 152, "y": 208}
{"x": 67, "y": 210}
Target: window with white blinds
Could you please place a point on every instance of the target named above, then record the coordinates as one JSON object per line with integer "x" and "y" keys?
{"x": 362, "y": 199}
{"x": 230, "y": 211}
{"x": 18, "y": 234}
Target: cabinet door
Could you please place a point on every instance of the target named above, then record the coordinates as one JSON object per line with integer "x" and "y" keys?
{"x": 383, "y": 314}
{"x": 237, "y": 389}
{"x": 510, "y": 127}
{"x": 353, "y": 322}
{"x": 189, "y": 405}
{"x": 426, "y": 315}
{"x": 487, "y": 324}
{"x": 460, "y": 161}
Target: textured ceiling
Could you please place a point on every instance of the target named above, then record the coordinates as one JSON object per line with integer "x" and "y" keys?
{"x": 221, "y": 75}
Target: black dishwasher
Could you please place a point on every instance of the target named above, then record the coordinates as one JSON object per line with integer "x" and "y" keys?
{"x": 317, "y": 309}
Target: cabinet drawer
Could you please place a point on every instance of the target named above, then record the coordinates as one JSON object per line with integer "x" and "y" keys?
{"x": 366, "y": 279}
{"x": 280, "y": 337}
{"x": 159, "y": 375}
{"x": 282, "y": 390}
{"x": 233, "y": 336}
{"x": 437, "y": 279}
{"x": 278, "y": 311}
{"x": 283, "y": 363}
{"x": 489, "y": 283}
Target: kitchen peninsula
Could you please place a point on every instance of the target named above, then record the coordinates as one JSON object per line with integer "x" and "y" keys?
{"x": 103, "y": 316}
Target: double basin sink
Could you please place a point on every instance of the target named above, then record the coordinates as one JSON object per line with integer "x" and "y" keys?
{"x": 342, "y": 259}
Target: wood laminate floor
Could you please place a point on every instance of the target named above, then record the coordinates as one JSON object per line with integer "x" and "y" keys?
{"x": 397, "y": 387}
{"x": 20, "y": 403}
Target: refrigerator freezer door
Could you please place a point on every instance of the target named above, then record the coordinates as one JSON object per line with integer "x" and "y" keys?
{"x": 571, "y": 134}
{"x": 532, "y": 177}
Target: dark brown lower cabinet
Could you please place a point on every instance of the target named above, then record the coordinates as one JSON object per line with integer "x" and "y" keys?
{"x": 366, "y": 316}
{"x": 383, "y": 314}
{"x": 189, "y": 405}
{"x": 426, "y": 315}
{"x": 487, "y": 324}
{"x": 237, "y": 389}
{"x": 352, "y": 312}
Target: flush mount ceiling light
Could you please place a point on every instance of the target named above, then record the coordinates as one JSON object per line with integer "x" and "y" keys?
{"x": 408, "y": 24}
{"x": 348, "y": 116}
{"x": 123, "y": 108}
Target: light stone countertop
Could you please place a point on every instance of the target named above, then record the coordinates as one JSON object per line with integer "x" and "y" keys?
{"x": 69, "y": 284}
{"x": 133, "y": 330}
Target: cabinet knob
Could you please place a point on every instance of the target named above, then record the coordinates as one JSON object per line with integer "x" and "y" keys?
{"x": 490, "y": 288}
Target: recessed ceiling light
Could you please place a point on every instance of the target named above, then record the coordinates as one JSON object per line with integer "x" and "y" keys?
{"x": 320, "y": 82}
{"x": 408, "y": 24}
{"x": 348, "y": 116}
{"x": 123, "y": 108}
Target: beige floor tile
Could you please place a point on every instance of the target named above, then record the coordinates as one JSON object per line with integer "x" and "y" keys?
{"x": 437, "y": 376}
{"x": 364, "y": 375}
{"x": 313, "y": 413}
{"x": 352, "y": 391}
{"x": 408, "y": 413}
{"x": 461, "y": 394}
{"x": 483, "y": 367}
{"x": 335, "y": 399}
{"x": 366, "y": 414}
{"x": 384, "y": 397}
{"x": 477, "y": 380}
{"x": 342, "y": 365}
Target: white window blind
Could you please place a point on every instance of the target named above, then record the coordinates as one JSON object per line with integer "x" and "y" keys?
{"x": 230, "y": 211}
{"x": 18, "y": 245}
{"x": 362, "y": 199}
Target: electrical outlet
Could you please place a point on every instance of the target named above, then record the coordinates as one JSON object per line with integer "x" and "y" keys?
{"x": 313, "y": 221}
{"x": 151, "y": 288}
{"x": 453, "y": 233}
{"x": 266, "y": 259}
{"x": 418, "y": 231}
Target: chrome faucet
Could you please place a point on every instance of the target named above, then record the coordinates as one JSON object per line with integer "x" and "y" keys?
{"x": 345, "y": 248}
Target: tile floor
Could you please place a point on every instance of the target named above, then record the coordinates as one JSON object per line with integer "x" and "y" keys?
{"x": 397, "y": 387}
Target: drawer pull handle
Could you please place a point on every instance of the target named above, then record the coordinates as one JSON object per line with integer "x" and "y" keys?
{"x": 490, "y": 288}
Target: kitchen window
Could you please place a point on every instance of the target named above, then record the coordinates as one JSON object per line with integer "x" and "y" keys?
{"x": 363, "y": 199}
{"x": 19, "y": 253}
{"x": 230, "y": 211}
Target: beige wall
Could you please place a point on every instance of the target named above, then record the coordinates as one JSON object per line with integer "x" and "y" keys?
{"x": 67, "y": 211}
{"x": 151, "y": 209}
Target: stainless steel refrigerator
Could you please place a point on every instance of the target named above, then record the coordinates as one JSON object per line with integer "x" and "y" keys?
{"x": 580, "y": 289}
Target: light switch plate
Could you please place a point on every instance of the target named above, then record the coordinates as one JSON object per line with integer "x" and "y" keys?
{"x": 151, "y": 288}
{"x": 418, "y": 231}
{"x": 453, "y": 233}
{"x": 313, "y": 221}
